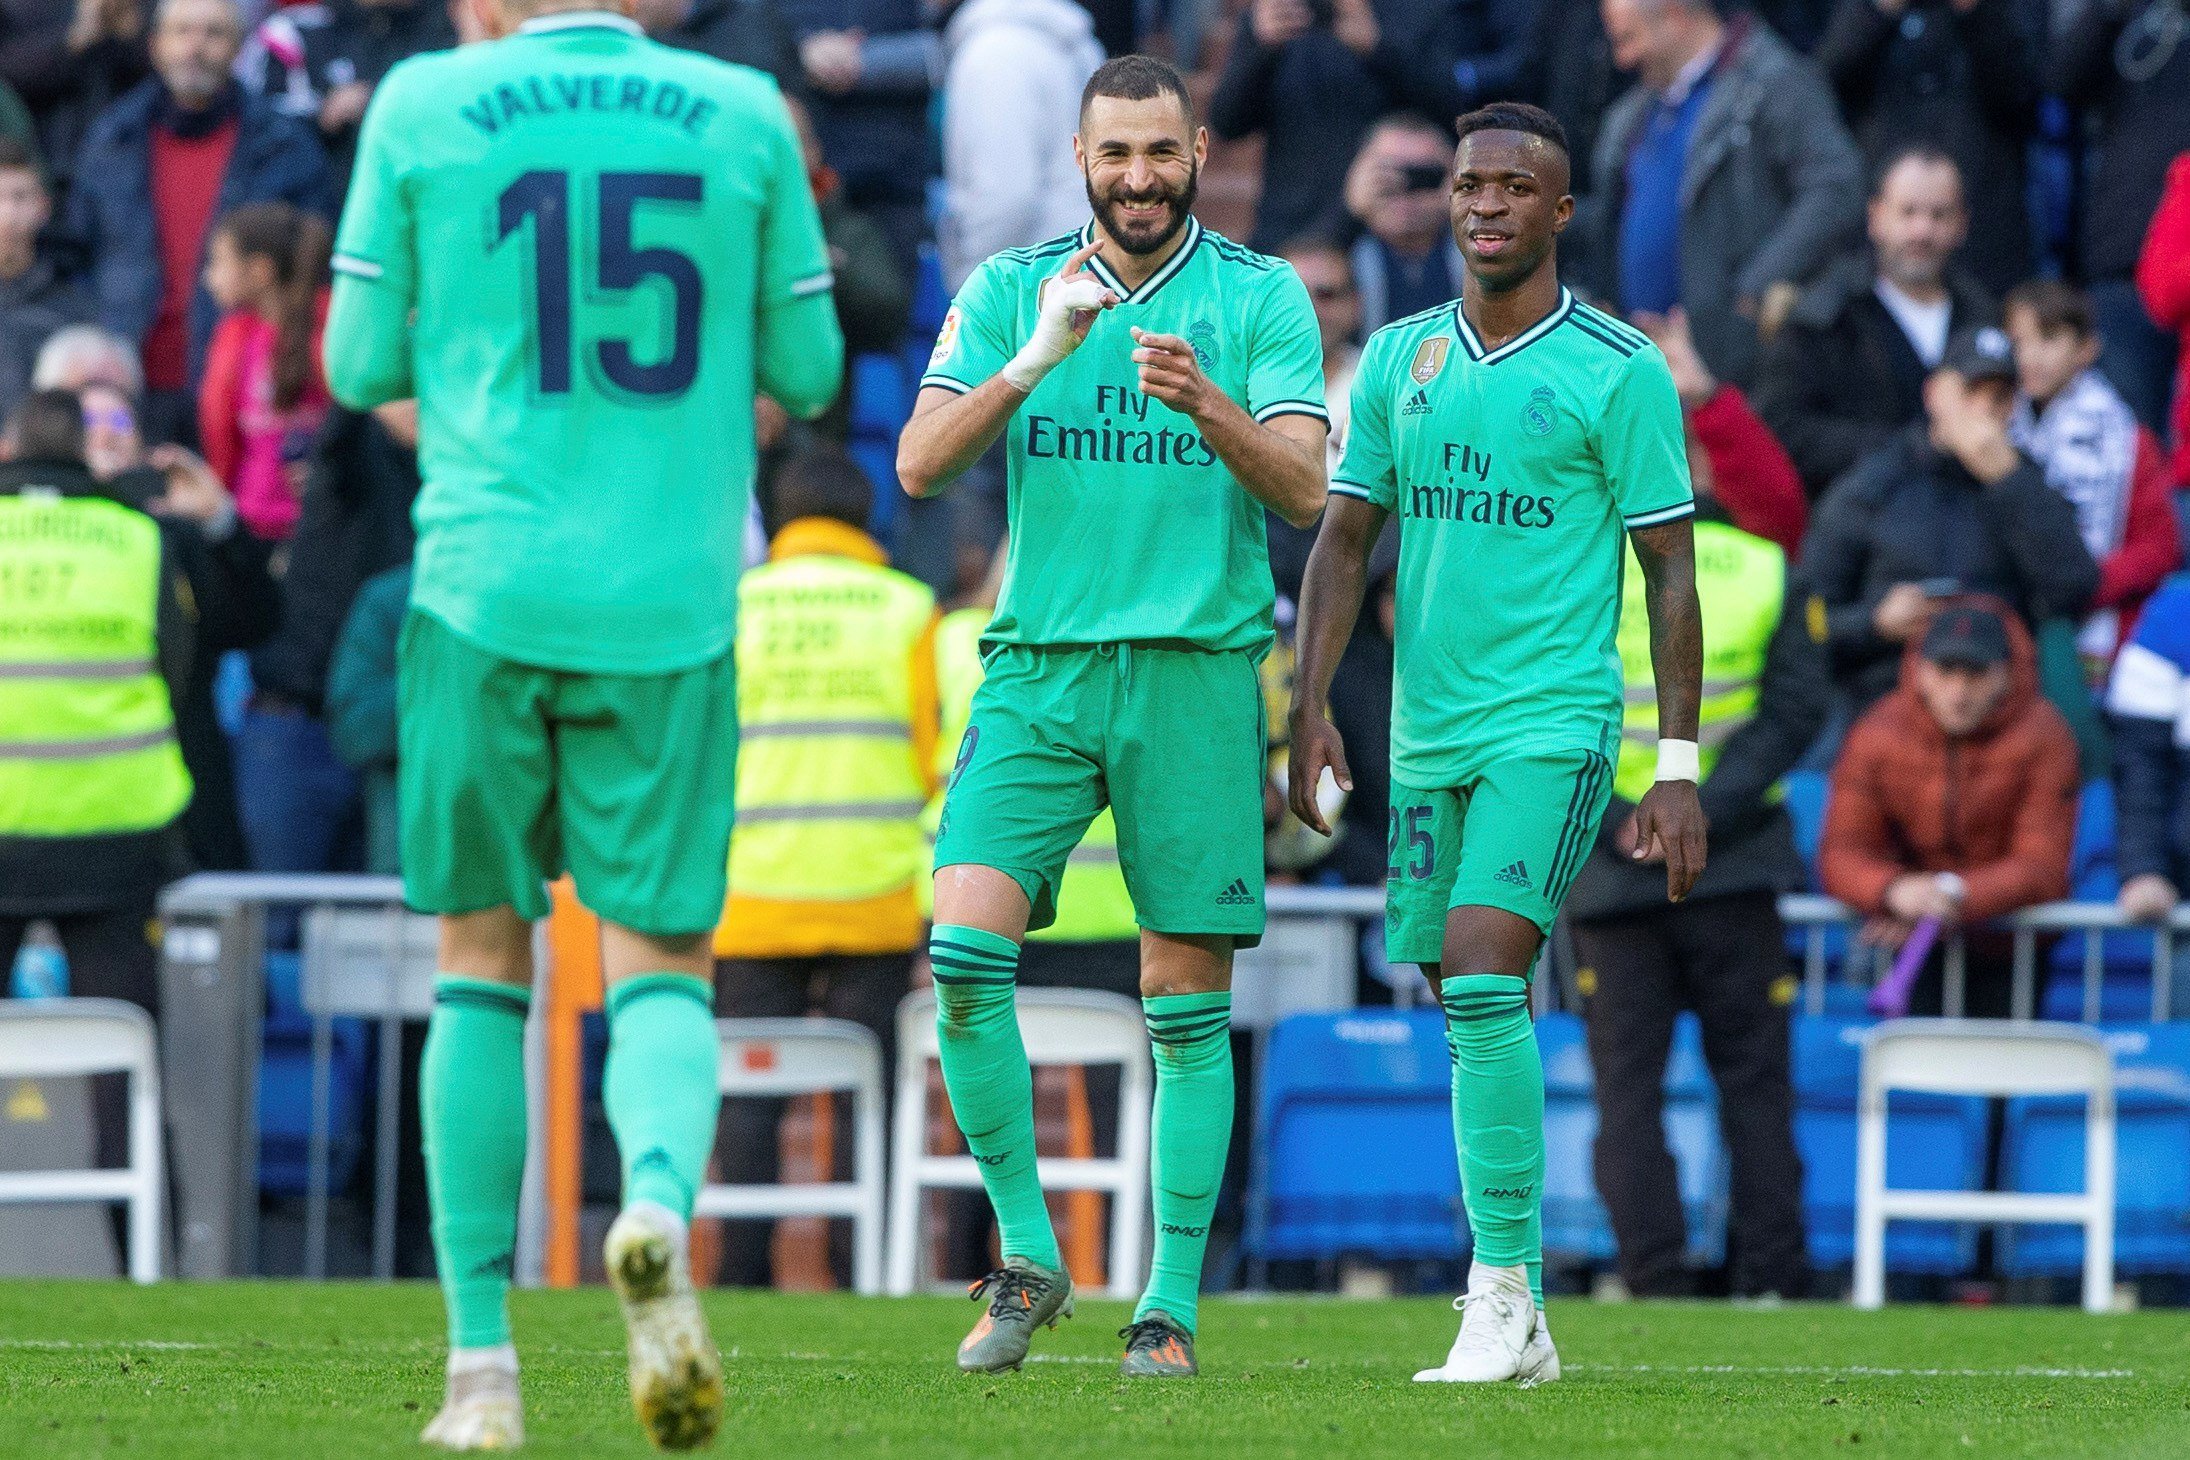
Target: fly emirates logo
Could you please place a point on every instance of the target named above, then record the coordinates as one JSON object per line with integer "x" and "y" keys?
{"x": 1467, "y": 496}
{"x": 1117, "y": 431}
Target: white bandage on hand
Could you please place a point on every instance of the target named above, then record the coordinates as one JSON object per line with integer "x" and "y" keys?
{"x": 1054, "y": 337}
{"x": 1679, "y": 760}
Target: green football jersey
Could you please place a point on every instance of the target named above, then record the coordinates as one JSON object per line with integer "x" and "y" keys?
{"x": 1124, "y": 524}
{"x": 1514, "y": 472}
{"x": 589, "y": 227}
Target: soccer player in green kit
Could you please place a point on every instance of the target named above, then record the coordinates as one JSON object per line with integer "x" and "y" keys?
{"x": 582, "y": 252}
{"x": 1517, "y": 433}
{"x": 1157, "y": 387}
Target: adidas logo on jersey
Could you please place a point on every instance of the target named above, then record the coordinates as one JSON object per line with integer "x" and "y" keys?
{"x": 1236, "y": 895}
{"x": 1417, "y": 404}
{"x": 1515, "y": 875}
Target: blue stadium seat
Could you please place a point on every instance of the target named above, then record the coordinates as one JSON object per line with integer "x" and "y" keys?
{"x": 930, "y": 299}
{"x": 1932, "y": 1141}
{"x": 1357, "y": 1138}
{"x": 285, "y": 1088}
{"x": 2125, "y": 987}
{"x": 1576, "y": 1225}
{"x": 1806, "y": 793}
{"x": 2043, "y": 1150}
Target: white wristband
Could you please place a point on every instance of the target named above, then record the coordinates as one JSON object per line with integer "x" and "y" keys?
{"x": 1679, "y": 760}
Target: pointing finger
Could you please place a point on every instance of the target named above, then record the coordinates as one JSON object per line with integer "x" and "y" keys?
{"x": 1079, "y": 259}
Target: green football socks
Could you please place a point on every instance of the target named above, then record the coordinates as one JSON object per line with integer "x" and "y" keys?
{"x": 991, "y": 1088}
{"x": 661, "y": 1086}
{"x": 1498, "y": 1118}
{"x": 471, "y": 1087}
{"x": 1191, "y": 1035}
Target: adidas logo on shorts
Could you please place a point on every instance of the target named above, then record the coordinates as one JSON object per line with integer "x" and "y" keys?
{"x": 1417, "y": 404}
{"x": 1515, "y": 875}
{"x": 1236, "y": 895}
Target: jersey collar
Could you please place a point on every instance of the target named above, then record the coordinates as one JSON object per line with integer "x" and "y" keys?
{"x": 1470, "y": 342}
{"x": 1153, "y": 282}
{"x": 579, "y": 20}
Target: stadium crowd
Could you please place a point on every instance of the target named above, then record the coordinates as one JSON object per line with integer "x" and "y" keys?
{"x": 1921, "y": 270}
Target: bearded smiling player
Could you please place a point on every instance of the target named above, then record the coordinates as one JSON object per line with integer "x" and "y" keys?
{"x": 1157, "y": 386}
{"x": 1517, "y": 432}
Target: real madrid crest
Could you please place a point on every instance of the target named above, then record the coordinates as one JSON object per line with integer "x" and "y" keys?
{"x": 1542, "y": 411}
{"x": 1202, "y": 335}
{"x": 1429, "y": 359}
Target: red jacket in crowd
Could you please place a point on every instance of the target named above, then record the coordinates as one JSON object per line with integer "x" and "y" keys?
{"x": 2163, "y": 278}
{"x": 1997, "y": 807}
{"x": 1751, "y": 474}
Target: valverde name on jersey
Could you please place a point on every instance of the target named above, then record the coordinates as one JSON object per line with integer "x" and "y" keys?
{"x": 558, "y": 92}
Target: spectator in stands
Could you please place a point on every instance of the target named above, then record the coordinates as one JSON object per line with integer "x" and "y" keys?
{"x": 1013, "y": 72}
{"x": 161, "y": 164}
{"x": 1946, "y": 506}
{"x": 1722, "y": 951}
{"x": 69, "y": 60}
{"x": 1327, "y": 274}
{"x": 361, "y": 708}
{"x": 837, "y": 719}
{"x": 36, "y": 299}
{"x": 320, "y": 62}
{"x": 1399, "y": 193}
{"x": 1960, "y": 76}
{"x": 1846, "y": 370}
{"x": 743, "y": 32}
{"x": 1569, "y": 70}
{"x": 2163, "y": 283}
{"x": 2148, "y": 700}
{"x": 1311, "y": 81}
{"x": 85, "y": 354}
{"x": 1723, "y": 178}
{"x": 1955, "y": 799}
{"x": 1733, "y": 457}
{"x": 867, "y": 66}
{"x": 2076, "y": 426}
{"x": 2127, "y": 63}
{"x": 263, "y": 398}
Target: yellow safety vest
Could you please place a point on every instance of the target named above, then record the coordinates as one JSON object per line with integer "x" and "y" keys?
{"x": 1741, "y": 582}
{"x": 87, "y": 735}
{"x": 832, "y": 773}
{"x": 1092, "y": 903}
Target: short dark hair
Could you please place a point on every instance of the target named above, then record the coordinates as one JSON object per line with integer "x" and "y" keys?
{"x": 1137, "y": 78}
{"x": 1929, "y": 153}
{"x": 48, "y": 426}
{"x": 822, "y": 480}
{"x": 15, "y": 157}
{"x": 1515, "y": 116}
{"x": 2056, "y": 305}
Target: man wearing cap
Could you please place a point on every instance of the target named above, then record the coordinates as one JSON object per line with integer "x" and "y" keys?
{"x": 1947, "y": 506}
{"x": 1955, "y": 798}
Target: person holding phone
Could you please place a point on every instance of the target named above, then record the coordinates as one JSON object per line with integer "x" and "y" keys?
{"x": 1398, "y": 192}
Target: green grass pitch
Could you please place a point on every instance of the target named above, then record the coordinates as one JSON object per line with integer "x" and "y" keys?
{"x": 235, "y": 1370}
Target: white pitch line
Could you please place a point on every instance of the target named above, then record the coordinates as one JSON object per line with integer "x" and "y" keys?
{"x": 102, "y": 1343}
{"x": 1855, "y": 1371}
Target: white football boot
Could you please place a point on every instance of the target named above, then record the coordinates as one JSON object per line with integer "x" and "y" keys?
{"x": 1497, "y": 1323}
{"x": 1540, "y": 1365}
{"x": 676, "y": 1374}
{"x": 481, "y": 1410}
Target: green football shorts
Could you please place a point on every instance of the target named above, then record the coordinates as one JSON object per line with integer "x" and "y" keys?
{"x": 1512, "y": 837}
{"x": 1170, "y": 737}
{"x": 510, "y": 773}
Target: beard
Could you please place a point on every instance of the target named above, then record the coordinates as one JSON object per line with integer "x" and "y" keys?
{"x": 1109, "y": 212}
{"x": 1905, "y": 269}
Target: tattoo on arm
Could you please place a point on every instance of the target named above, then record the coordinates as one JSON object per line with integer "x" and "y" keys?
{"x": 1667, "y": 553}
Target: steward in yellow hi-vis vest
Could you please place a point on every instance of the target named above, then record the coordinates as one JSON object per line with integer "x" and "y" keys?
{"x": 1722, "y": 952}
{"x": 1092, "y": 903}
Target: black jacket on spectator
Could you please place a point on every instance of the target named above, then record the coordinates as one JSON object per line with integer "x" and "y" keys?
{"x": 1313, "y": 100}
{"x": 1752, "y": 836}
{"x": 276, "y": 159}
{"x": 1909, "y": 513}
{"x": 744, "y": 32}
{"x": 1571, "y": 75}
{"x": 1965, "y": 81}
{"x": 1840, "y": 377}
{"x": 31, "y": 309}
{"x": 2144, "y": 117}
{"x": 875, "y": 137}
{"x": 301, "y": 54}
{"x": 64, "y": 89}
{"x": 354, "y": 522}
{"x": 214, "y": 596}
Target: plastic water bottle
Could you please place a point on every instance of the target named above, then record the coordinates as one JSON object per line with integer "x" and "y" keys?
{"x": 41, "y": 971}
